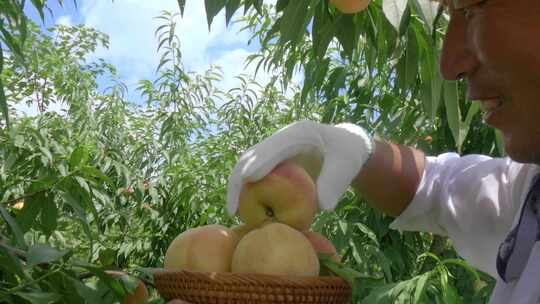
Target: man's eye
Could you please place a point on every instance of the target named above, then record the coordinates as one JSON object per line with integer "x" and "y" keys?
{"x": 467, "y": 13}
{"x": 467, "y": 7}
{"x": 462, "y": 4}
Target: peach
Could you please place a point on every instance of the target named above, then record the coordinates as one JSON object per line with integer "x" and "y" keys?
{"x": 207, "y": 248}
{"x": 286, "y": 195}
{"x": 139, "y": 296}
{"x": 275, "y": 249}
{"x": 321, "y": 244}
{"x": 241, "y": 230}
{"x": 19, "y": 204}
{"x": 350, "y": 6}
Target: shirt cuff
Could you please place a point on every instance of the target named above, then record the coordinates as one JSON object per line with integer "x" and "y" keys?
{"x": 421, "y": 214}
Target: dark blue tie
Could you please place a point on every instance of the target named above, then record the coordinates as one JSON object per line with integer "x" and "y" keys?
{"x": 515, "y": 250}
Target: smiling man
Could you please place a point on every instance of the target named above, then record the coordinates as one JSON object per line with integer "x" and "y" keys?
{"x": 495, "y": 45}
{"x": 486, "y": 206}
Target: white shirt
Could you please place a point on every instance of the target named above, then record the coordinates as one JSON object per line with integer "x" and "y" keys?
{"x": 475, "y": 200}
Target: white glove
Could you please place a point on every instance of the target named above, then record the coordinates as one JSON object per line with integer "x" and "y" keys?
{"x": 333, "y": 155}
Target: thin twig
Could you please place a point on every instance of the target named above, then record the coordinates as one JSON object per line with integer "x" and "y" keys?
{"x": 23, "y": 286}
{"x": 19, "y": 253}
{"x": 24, "y": 196}
{"x": 88, "y": 274}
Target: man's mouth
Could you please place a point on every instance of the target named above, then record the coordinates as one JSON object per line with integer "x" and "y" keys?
{"x": 489, "y": 106}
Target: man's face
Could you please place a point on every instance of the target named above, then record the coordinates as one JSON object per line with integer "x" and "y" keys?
{"x": 495, "y": 45}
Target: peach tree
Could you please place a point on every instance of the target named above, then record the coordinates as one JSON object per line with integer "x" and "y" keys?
{"x": 106, "y": 183}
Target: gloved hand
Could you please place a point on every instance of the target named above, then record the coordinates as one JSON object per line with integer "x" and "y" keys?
{"x": 332, "y": 155}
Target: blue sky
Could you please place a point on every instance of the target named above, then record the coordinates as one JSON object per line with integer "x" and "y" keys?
{"x": 130, "y": 25}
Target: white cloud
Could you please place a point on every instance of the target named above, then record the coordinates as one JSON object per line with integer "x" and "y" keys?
{"x": 233, "y": 64}
{"x": 65, "y": 20}
{"x": 130, "y": 25}
{"x": 24, "y": 109}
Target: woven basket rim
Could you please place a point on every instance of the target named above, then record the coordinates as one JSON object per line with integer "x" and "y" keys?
{"x": 223, "y": 275}
{"x": 247, "y": 288}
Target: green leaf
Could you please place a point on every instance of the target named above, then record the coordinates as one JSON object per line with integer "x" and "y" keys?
{"x": 71, "y": 200}
{"x": 365, "y": 229}
{"x": 11, "y": 42}
{"x": 394, "y": 10}
{"x": 182, "y": 5}
{"x": 421, "y": 287}
{"x": 47, "y": 153}
{"x": 411, "y": 59}
{"x": 15, "y": 229}
{"x": 42, "y": 184}
{"x": 49, "y": 217}
{"x": 82, "y": 182}
{"x": 32, "y": 206}
{"x": 90, "y": 171}
{"x": 408, "y": 64}
{"x": 347, "y": 34}
{"x": 431, "y": 80}
{"x": 465, "y": 126}
{"x": 258, "y": 5}
{"x": 465, "y": 265}
{"x": 38, "y": 4}
{"x": 39, "y": 254}
{"x": 451, "y": 295}
{"x": 89, "y": 294}
{"x": 281, "y": 5}
{"x": 386, "y": 293}
{"x": 340, "y": 269}
{"x": 116, "y": 285}
{"x": 107, "y": 257}
{"x": 255, "y": 3}
{"x": 78, "y": 157}
{"x": 230, "y": 9}
{"x": 3, "y": 102}
{"x": 212, "y": 9}
{"x": 162, "y": 63}
{"x": 293, "y": 21}
{"x": 129, "y": 282}
{"x": 427, "y": 10}
{"x": 10, "y": 262}
{"x": 323, "y": 30}
{"x": 37, "y": 297}
{"x": 344, "y": 227}
{"x": 473, "y": 110}
{"x": 453, "y": 114}
{"x": 405, "y": 21}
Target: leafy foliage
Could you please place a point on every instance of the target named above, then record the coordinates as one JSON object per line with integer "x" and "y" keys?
{"x": 13, "y": 33}
{"x": 106, "y": 183}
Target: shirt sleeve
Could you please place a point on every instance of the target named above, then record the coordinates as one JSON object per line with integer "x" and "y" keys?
{"x": 473, "y": 200}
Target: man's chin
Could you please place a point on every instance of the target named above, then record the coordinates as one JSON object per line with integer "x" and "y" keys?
{"x": 525, "y": 151}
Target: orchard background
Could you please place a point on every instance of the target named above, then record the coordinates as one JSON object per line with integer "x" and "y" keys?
{"x": 108, "y": 183}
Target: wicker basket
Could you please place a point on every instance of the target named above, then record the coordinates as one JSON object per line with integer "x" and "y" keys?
{"x": 234, "y": 288}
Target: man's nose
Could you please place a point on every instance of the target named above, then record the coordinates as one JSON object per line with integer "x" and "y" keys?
{"x": 457, "y": 59}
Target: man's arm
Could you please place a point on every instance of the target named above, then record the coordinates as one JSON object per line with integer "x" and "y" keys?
{"x": 390, "y": 178}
